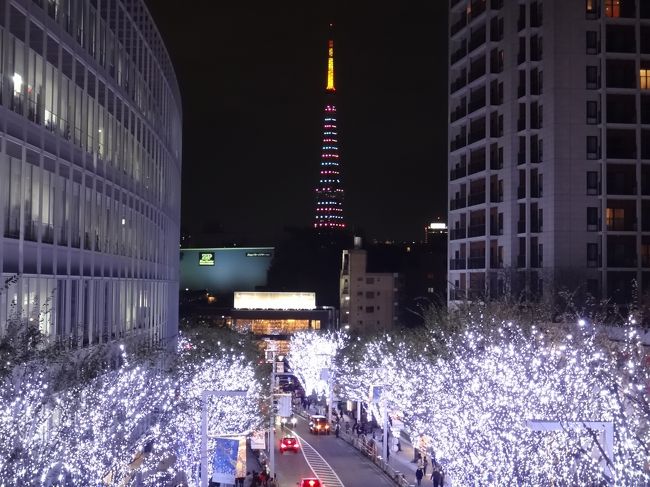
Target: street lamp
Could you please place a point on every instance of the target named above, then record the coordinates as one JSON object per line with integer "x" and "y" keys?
{"x": 204, "y": 427}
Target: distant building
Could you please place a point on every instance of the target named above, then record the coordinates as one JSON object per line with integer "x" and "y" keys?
{"x": 369, "y": 300}
{"x": 277, "y": 315}
{"x": 434, "y": 231}
{"x": 549, "y": 147}
{"x": 225, "y": 270}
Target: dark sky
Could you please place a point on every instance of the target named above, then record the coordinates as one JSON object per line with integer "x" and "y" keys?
{"x": 252, "y": 78}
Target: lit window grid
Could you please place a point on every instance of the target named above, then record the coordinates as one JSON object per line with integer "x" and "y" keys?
{"x": 129, "y": 148}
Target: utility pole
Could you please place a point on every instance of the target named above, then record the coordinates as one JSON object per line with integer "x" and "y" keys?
{"x": 272, "y": 421}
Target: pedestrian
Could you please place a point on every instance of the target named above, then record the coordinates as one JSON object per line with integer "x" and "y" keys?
{"x": 437, "y": 476}
{"x": 337, "y": 429}
{"x": 419, "y": 475}
{"x": 425, "y": 462}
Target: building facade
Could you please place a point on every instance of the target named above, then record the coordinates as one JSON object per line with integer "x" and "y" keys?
{"x": 90, "y": 169}
{"x": 225, "y": 270}
{"x": 549, "y": 146}
{"x": 369, "y": 300}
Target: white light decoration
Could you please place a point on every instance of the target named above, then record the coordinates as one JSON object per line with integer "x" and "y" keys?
{"x": 472, "y": 405}
{"x": 309, "y": 353}
{"x": 140, "y": 419}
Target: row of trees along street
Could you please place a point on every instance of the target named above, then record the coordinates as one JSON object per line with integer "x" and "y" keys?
{"x": 121, "y": 413}
{"x": 504, "y": 394}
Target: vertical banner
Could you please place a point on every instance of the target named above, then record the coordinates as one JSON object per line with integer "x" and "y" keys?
{"x": 224, "y": 461}
{"x": 258, "y": 440}
{"x": 241, "y": 458}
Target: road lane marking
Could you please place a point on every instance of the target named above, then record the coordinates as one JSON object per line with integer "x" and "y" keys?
{"x": 319, "y": 465}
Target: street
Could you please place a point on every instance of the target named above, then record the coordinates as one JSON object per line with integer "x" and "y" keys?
{"x": 332, "y": 460}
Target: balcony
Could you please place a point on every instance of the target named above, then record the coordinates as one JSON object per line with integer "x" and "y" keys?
{"x": 459, "y": 24}
{"x": 476, "y": 72}
{"x": 621, "y": 224}
{"x": 457, "y": 173}
{"x": 622, "y": 260}
{"x": 458, "y": 83}
{"x": 457, "y": 203}
{"x": 458, "y": 113}
{"x": 521, "y": 261}
{"x": 457, "y": 143}
{"x": 476, "y": 166}
{"x": 496, "y": 263}
{"x": 496, "y": 197}
{"x": 476, "y": 104}
{"x": 477, "y": 39}
{"x": 476, "y": 135}
{"x": 459, "y": 53}
{"x": 457, "y": 233}
{"x": 495, "y": 230}
{"x": 476, "y": 263}
{"x": 476, "y": 230}
{"x": 521, "y": 226}
{"x": 477, "y": 8}
{"x": 457, "y": 264}
{"x": 476, "y": 199}
{"x": 496, "y": 159}
{"x": 521, "y": 192}
{"x": 536, "y": 191}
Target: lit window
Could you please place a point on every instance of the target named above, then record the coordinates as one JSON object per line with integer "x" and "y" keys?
{"x": 644, "y": 79}
{"x": 613, "y": 8}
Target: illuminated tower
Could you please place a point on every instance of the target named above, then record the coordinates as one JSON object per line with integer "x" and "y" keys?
{"x": 329, "y": 191}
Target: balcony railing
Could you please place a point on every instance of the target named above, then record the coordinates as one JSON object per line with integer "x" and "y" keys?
{"x": 458, "y": 172}
{"x": 476, "y": 263}
{"x": 476, "y": 230}
{"x": 476, "y": 166}
{"x": 457, "y": 264}
{"x": 476, "y": 199}
{"x": 457, "y": 203}
{"x": 476, "y": 136}
{"x": 457, "y": 233}
{"x": 622, "y": 261}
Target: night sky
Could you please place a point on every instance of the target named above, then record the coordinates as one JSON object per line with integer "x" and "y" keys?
{"x": 252, "y": 79}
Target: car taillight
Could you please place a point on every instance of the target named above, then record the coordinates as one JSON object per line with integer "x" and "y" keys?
{"x": 283, "y": 445}
{"x": 327, "y": 426}
{"x": 312, "y": 483}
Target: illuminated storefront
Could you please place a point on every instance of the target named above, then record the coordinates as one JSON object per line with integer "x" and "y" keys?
{"x": 278, "y": 315}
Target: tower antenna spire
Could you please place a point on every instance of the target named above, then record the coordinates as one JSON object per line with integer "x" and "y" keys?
{"x": 330, "y": 62}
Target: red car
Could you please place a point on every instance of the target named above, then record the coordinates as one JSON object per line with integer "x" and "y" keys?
{"x": 289, "y": 443}
{"x": 310, "y": 483}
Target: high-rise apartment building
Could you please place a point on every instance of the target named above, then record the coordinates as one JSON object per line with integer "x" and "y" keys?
{"x": 549, "y": 146}
{"x": 90, "y": 168}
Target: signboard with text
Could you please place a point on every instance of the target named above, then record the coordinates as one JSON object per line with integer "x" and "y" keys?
{"x": 206, "y": 258}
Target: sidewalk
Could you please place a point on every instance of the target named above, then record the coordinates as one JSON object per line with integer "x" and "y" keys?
{"x": 399, "y": 467}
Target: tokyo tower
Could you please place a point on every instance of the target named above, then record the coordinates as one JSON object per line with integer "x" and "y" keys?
{"x": 329, "y": 191}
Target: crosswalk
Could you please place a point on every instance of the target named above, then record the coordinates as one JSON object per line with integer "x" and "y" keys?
{"x": 319, "y": 466}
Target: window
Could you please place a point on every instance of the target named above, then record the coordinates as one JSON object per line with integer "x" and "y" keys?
{"x": 370, "y": 280}
{"x": 370, "y": 294}
{"x": 592, "y": 182}
{"x": 613, "y": 8}
{"x": 592, "y": 42}
{"x": 591, "y": 8}
{"x": 644, "y": 79}
{"x": 592, "y": 77}
{"x": 592, "y": 112}
{"x": 615, "y": 218}
{"x": 370, "y": 309}
{"x": 592, "y": 255}
{"x": 592, "y": 147}
{"x": 592, "y": 219}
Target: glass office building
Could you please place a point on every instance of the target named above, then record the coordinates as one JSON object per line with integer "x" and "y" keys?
{"x": 90, "y": 169}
